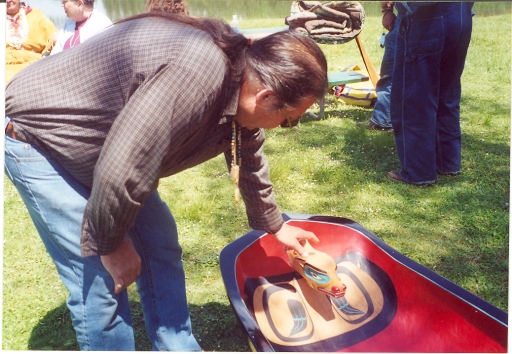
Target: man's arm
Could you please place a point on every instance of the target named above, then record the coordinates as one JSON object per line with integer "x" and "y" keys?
{"x": 257, "y": 191}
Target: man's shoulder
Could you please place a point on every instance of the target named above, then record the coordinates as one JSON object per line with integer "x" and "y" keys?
{"x": 160, "y": 32}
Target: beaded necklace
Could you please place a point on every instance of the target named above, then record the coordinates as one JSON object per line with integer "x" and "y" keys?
{"x": 236, "y": 158}
{"x": 75, "y": 38}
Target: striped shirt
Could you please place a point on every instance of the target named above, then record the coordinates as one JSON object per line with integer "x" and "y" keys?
{"x": 132, "y": 105}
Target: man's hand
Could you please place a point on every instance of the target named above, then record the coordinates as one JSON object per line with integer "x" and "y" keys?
{"x": 123, "y": 264}
{"x": 388, "y": 20}
{"x": 290, "y": 236}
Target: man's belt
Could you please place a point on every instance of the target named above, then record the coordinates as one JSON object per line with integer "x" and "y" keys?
{"x": 9, "y": 131}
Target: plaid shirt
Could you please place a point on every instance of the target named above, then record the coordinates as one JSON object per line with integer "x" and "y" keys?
{"x": 129, "y": 106}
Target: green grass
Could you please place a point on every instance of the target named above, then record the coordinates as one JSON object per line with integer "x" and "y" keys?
{"x": 459, "y": 227}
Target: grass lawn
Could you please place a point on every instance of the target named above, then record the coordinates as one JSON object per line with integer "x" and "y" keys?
{"x": 459, "y": 227}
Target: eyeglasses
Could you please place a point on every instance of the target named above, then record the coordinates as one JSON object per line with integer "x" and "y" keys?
{"x": 290, "y": 122}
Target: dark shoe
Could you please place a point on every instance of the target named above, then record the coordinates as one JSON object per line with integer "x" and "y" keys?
{"x": 396, "y": 177}
{"x": 372, "y": 126}
{"x": 456, "y": 173}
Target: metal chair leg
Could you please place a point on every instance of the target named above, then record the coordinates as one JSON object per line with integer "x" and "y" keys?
{"x": 321, "y": 102}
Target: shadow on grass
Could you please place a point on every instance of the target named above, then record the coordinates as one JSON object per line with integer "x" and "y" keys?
{"x": 356, "y": 113}
{"x": 493, "y": 106}
{"x": 54, "y": 332}
{"x": 215, "y": 328}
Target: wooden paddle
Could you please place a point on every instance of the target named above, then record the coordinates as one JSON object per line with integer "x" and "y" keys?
{"x": 374, "y": 77}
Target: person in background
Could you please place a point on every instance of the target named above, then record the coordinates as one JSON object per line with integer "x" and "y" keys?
{"x": 29, "y": 35}
{"x": 87, "y": 155}
{"x": 171, "y": 6}
{"x": 84, "y": 21}
{"x": 381, "y": 119}
{"x": 432, "y": 43}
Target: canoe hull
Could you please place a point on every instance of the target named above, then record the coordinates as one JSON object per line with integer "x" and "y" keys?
{"x": 392, "y": 304}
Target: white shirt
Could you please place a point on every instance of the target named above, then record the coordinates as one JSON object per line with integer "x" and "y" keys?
{"x": 96, "y": 23}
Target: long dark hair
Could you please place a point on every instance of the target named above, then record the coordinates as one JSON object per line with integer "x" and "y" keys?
{"x": 288, "y": 62}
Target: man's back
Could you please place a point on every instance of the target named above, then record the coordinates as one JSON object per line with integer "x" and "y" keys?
{"x": 67, "y": 103}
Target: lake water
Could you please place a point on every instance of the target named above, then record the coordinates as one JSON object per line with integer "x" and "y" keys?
{"x": 225, "y": 9}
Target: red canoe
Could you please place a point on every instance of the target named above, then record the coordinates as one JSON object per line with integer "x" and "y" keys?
{"x": 392, "y": 304}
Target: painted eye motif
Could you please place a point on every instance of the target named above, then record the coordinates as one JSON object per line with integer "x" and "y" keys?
{"x": 315, "y": 275}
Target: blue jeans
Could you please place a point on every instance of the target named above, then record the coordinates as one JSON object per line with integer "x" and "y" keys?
{"x": 381, "y": 110}
{"x": 431, "y": 48}
{"x": 102, "y": 319}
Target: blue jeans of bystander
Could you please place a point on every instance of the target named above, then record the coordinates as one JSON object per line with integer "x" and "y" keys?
{"x": 431, "y": 48}
{"x": 381, "y": 110}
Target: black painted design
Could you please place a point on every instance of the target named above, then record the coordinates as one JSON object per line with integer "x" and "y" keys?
{"x": 299, "y": 316}
{"x": 343, "y": 340}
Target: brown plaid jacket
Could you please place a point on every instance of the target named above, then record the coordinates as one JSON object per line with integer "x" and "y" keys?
{"x": 132, "y": 105}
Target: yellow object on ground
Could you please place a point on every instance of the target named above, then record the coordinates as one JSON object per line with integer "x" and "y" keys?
{"x": 40, "y": 40}
{"x": 359, "y": 93}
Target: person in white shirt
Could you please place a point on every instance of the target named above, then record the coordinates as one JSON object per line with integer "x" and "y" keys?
{"x": 84, "y": 21}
